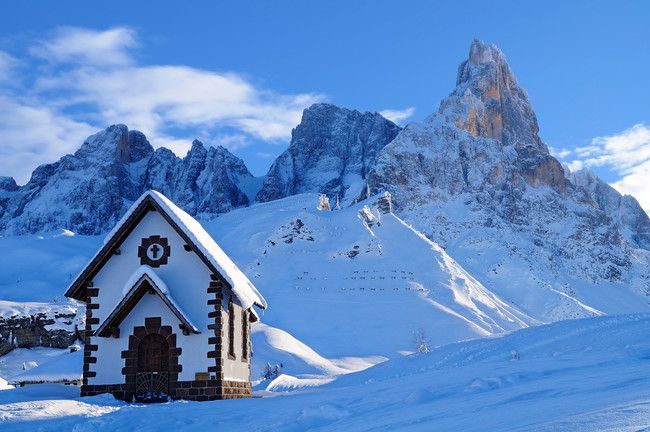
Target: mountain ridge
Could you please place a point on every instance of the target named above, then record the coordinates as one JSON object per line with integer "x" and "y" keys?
{"x": 89, "y": 190}
{"x": 337, "y": 151}
{"x": 478, "y": 229}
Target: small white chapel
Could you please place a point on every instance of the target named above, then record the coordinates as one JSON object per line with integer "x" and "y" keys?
{"x": 168, "y": 313}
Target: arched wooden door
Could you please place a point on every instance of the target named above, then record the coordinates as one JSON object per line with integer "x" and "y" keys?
{"x": 152, "y": 377}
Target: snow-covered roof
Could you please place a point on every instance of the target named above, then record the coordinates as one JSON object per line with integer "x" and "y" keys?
{"x": 131, "y": 295}
{"x": 138, "y": 274}
{"x": 242, "y": 287}
{"x": 65, "y": 368}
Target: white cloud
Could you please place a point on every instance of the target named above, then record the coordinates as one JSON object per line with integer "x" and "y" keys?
{"x": 398, "y": 116}
{"x": 89, "y": 47}
{"x": 152, "y": 98}
{"x": 560, "y": 153}
{"x": 575, "y": 165}
{"x": 34, "y": 136}
{"x": 7, "y": 65}
{"x": 628, "y": 155}
{"x": 230, "y": 141}
{"x": 88, "y": 79}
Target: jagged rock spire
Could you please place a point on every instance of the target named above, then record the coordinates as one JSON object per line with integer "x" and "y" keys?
{"x": 93, "y": 187}
{"x": 488, "y": 102}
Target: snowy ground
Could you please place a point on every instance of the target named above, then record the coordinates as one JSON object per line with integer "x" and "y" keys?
{"x": 591, "y": 374}
{"x": 342, "y": 312}
{"x": 20, "y": 359}
{"x": 350, "y": 293}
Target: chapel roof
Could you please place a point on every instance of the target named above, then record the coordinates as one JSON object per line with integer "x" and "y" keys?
{"x": 190, "y": 229}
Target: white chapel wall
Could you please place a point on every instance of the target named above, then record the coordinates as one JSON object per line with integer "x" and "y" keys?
{"x": 187, "y": 279}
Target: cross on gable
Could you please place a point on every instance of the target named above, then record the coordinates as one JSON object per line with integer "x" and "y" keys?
{"x": 154, "y": 251}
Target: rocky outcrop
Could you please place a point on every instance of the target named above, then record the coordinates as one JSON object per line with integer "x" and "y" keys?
{"x": 8, "y": 184}
{"x": 624, "y": 210}
{"x": 55, "y": 326}
{"x": 210, "y": 180}
{"x": 488, "y": 102}
{"x": 331, "y": 152}
{"x": 87, "y": 192}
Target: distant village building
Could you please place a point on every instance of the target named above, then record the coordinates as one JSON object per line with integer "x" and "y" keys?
{"x": 168, "y": 313}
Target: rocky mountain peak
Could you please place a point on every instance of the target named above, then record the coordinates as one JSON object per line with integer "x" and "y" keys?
{"x": 8, "y": 184}
{"x": 331, "y": 152}
{"x": 488, "y": 102}
{"x": 94, "y": 186}
{"x": 476, "y": 176}
{"x": 482, "y": 55}
{"x": 624, "y": 210}
{"x": 116, "y": 143}
{"x": 197, "y": 146}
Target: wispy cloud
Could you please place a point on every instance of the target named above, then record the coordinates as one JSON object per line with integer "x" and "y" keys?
{"x": 32, "y": 135}
{"x": 86, "y": 79}
{"x": 7, "y": 65}
{"x": 560, "y": 153}
{"x": 398, "y": 116}
{"x": 88, "y": 47}
{"x": 627, "y": 154}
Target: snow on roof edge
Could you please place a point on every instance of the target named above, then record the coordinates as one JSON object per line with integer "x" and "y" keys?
{"x": 241, "y": 285}
{"x": 137, "y": 275}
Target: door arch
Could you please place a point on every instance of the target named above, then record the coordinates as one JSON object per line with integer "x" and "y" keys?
{"x": 152, "y": 376}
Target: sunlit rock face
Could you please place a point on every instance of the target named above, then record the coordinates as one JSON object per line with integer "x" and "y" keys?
{"x": 484, "y": 134}
{"x": 475, "y": 176}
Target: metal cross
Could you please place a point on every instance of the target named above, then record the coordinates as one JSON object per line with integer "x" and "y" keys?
{"x": 154, "y": 251}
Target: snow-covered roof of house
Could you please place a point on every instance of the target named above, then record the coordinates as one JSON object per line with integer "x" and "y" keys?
{"x": 144, "y": 279}
{"x": 65, "y": 368}
{"x": 190, "y": 229}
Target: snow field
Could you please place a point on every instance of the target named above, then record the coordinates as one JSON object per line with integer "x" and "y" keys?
{"x": 588, "y": 374}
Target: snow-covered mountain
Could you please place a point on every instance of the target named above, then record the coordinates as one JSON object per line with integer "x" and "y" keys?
{"x": 476, "y": 178}
{"x": 88, "y": 191}
{"x": 211, "y": 180}
{"x": 331, "y": 152}
{"x": 490, "y": 232}
{"x": 357, "y": 281}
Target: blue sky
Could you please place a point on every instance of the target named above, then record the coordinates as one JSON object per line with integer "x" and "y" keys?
{"x": 240, "y": 73}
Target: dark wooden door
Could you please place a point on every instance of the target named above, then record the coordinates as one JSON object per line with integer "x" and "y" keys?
{"x": 153, "y": 354}
{"x": 152, "y": 378}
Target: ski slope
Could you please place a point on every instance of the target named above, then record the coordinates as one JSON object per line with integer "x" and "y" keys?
{"x": 347, "y": 287}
